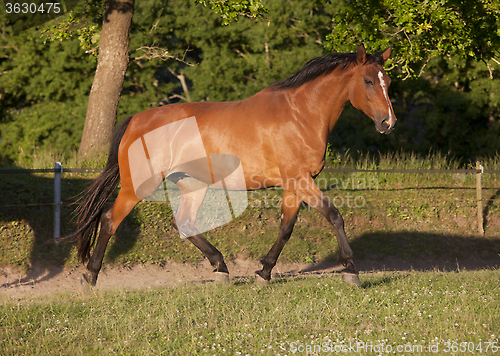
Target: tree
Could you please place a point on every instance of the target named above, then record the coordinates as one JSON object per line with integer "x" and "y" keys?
{"x": 108, "y": 80}
{"x": 113, "y": 62}
{"x": 419, "y": 32}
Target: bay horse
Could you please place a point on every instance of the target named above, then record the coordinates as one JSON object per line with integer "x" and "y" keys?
{"x": 279, "y": 135}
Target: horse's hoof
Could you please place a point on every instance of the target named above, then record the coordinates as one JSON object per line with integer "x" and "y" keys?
{"x": 89, "y": 279}
{"x": 85, "y": 287}
{"x": 85, "y": 284}
{"x": 261, "y": 281}
{"x": 222, "y": 277}
{"x": 351, "y": 278}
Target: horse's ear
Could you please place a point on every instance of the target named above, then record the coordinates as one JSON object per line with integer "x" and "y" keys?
{"x": 361, "y": 55}
{"x": 387, "y": 53}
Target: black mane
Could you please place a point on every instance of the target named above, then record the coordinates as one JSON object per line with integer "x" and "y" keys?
{"x": 322, "y": 66}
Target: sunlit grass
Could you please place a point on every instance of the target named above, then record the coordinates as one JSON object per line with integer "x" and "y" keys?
{"x": 409, "y": 308}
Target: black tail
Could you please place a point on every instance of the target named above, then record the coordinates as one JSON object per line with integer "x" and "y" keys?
{"x": 96, "y": 195}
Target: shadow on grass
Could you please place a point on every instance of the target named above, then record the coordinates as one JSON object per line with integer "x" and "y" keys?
{"x": 490, "y": 202}
{"x": 416, "y": 251}
{"x": 27, "y": 225}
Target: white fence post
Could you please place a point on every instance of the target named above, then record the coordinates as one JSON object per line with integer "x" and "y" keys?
{"x": 479, "y": 197}
{"x": 58, "y": 168}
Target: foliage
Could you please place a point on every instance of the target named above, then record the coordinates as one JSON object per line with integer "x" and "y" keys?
{"x": 42, "y": 94}
{"x": 225, "y": 63}
{"x": 230, "y": 10}
{"x": 237, "y": 61}
{"x": 84, "y": 21}
{"x": 58, "y": 128}
{"x": 462, "y": 28}
{"x": 452, "y": 108}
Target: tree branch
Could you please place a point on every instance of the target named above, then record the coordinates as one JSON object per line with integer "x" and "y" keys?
{"x": 182, "y": 79}
{"x": 153, "y": 52}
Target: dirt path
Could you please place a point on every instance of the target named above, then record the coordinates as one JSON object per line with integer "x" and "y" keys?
{"x": 43, "y": 280}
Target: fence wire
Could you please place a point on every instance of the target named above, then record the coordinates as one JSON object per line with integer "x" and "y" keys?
{"x": 327, "y": 170}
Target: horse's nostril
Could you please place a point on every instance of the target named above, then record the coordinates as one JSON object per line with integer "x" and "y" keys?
{"x": 384, "y": 126}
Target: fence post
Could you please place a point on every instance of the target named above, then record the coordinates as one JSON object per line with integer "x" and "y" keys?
{"x": 58, "y": 168}
{"x": 479, "y": 196}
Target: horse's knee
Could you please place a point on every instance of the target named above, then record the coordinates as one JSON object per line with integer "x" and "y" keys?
{"x": 187, "y": 229}
{"x": 287, "y": 228}
{"x": 108, "y": 228}
{"x": 335, "y": 217}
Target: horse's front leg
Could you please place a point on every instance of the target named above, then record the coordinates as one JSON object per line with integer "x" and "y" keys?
{"x": 289, "y": 208}
{"x": 314, "y": 197}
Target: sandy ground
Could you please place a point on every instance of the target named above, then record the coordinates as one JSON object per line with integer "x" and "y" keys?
{"x": 43, "y": 280}
{"x": 50, "y": 279}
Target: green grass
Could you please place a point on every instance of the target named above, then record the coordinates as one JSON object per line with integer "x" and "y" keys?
{"x": 391, "y": 309}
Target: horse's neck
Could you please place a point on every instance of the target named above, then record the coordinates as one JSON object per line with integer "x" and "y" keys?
{"x": 322, "y": 100}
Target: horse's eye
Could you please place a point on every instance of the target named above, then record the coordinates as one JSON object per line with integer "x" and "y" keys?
{"x": 368, "y": 82}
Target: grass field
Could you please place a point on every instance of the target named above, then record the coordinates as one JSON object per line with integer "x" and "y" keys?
{"x": 393, "y": 313}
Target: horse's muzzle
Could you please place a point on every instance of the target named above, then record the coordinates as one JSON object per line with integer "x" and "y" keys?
{"x": 384, "y": 126}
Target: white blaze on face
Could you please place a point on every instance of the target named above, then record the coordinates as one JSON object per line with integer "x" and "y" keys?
{"x": 382, "y": 84}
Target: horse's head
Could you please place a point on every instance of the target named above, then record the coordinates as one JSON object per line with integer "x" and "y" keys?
{"x": 368, "y": 90}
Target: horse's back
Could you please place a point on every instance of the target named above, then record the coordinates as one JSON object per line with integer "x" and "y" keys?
{"x": 249, "y": 129}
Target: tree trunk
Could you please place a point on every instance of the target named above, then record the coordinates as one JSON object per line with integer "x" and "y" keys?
{"x": 108, "y": 80}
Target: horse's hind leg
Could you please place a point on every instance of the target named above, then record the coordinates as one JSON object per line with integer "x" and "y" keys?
{"x": 192, "y": 195}
{"x": 214, "y": 256}
{"x": 289, "y": 208}
{"x": 110, "y": 221}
